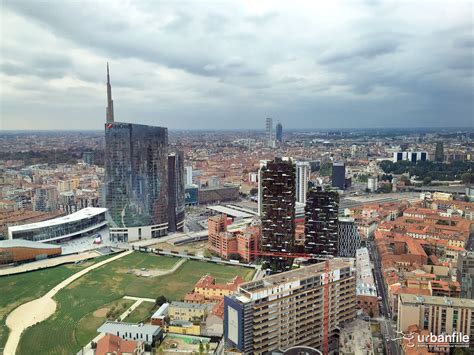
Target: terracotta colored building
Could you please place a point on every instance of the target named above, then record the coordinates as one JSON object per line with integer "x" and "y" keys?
{"x": 19, "y": 250}
{"x": 112, "y": 344}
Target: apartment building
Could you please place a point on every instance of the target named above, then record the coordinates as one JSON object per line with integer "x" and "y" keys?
{"x": 436, "y": 314}
{"x": 288, "y": 309}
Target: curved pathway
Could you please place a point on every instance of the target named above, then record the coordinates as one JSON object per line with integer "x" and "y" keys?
{"x": 42, "y": 308}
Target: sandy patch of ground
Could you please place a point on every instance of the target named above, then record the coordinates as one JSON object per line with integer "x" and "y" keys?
{"x": 100, "y": 313}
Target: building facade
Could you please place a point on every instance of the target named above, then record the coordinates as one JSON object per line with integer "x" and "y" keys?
{"x": 436, "y": 314}
{"x": 278, "y": 211}
{"x": 321, "y": 222}
{"x": 17, "y": 250}
{"x": 79, "y": 224}
{"x": 303, "y": 170}
{"x": 348, "y": 237}
{"x": 176, "y": 198}
{"x": 45, "y": 199}
{"x": 410, "y": 156}
{"x": 465, "y": 274}
{"x": 279, "y": 132}
{"x": 288, "y": 309}
{"x": 338, "y": 176}
{"x": 136, "y": 180}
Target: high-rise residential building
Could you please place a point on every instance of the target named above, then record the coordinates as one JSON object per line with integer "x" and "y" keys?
{"x": 269, "y": 132}
{"x": 300, "y": 307}
{"x": 136, "y": 178}
{"x": 279, "y": 132}
{"x": 278, "y": 197}
{"x": 439, "y": 152}
{"x": 176, "y": 200}
{"x": 321, "y": 222}
{"x": 465, "y": 274}
{"x": 372, "y": 183}
{"x": 339, "y": 176}
{"x": 45, "y": 199}
{"x": 348, "y": 237}
{"x": 436, "y": 314}
{"x": 110, "y": 102}
{"x": 303, "y": 171}
{"x": 189, "y": 175}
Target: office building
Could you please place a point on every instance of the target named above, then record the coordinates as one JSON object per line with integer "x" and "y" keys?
{"x": 348, "y": 237}
{"x": 176, "y": 199}
{"x": 82, "y": 223}
{"x": 372, "y": 184}
{"x": 299, "y": 307}
{"x": 45, "y": 199}
{"x": 436, "y": 314}
{"x": 321, "y": 226}
{"x": 269, "y": 133}
{"x": 410, "y": 156}
{"x": 439, "y": 152}
{"x": 278, "y": 211}
{"x": 191, "y": 195}
{"x": 279, "y": 132}
{"x": 136, "y": 178}
{"x": 303, "y": 171}
{"x": 339, "y": 176}
{"x": 465, "y": 274}
{"x": 189, "y": 175}
{"x": 147, "y": 333}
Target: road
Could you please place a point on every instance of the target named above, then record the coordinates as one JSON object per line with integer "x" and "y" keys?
{"x": 387, "y": 326}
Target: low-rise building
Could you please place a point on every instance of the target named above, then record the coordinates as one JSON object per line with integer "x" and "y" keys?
{"x": 158, "y": 318}
{"x": 149, "y": 334}
{"x": 18, "y": 250}
{"x": 113, "y": 344}
{"x": 187, "y": 311}
{"x": 366, "y": 290}
{"x": 183, "y": 327}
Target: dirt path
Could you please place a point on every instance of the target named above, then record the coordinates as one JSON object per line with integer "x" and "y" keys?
{"x": 41, "y": 308}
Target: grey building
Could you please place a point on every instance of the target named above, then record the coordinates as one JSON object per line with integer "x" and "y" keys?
{"x": 465, "y": 274}
{"x": 176, "y": 198}
{"x": 348, "y": 237}
{"x": 279, "y": 132}
{"x": 339, "y": 176}
{"x": 149, "y": 334}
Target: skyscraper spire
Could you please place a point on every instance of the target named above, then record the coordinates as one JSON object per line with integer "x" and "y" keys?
{"x": 110, "y": 102}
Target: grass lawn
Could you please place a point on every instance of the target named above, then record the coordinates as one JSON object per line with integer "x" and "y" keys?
{"x": 141, "y": 313}
{"x": 21, "y": 288}
{"x": 110, "y": 283}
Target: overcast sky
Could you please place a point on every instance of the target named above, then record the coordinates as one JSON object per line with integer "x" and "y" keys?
{"x": 226, "y": 65}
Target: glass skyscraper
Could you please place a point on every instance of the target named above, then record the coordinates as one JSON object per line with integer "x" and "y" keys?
{"x": 136, "y": 180}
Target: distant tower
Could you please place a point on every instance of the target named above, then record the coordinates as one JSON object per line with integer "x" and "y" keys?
{"x": 110, "y": 102}
{"x": 439, "y": 152}
{"x": 269, "y": 131}
{"x": 279, "y": 132}
{"x": 339, "y": 176}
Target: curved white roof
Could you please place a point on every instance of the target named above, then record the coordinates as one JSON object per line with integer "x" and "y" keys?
{"x": 73, "y": 217}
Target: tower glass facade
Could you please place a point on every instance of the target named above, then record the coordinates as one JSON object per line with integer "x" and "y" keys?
{"x": 136, "y": 175}
{"x": 176, "y": 191}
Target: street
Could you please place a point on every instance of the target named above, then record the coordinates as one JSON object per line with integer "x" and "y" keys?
{"x": 387, "y": 324}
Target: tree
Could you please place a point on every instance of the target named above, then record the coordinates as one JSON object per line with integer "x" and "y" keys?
{"x": 201, "y": 348}
{"x": 160, "y": 300}
{"x": 427, "y": 180}
{"x": 208, "y": 347}
{"x": 253, "y": 191}
{"x": 467, "y": 178}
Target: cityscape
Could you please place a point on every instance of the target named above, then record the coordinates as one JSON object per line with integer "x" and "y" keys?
{"x": 277, "y": 229}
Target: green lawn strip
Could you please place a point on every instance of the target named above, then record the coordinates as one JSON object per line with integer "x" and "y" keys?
{"x": 21, "y": 288}
{"x": 60, "y": 334}
{"x": 141, "y": 313}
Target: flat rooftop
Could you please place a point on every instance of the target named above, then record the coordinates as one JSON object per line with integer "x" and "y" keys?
{"x": 73, "y": 217}
{"x": 296, "y": 275}
{"x": 230, "y": 211}
{"x": 437, "y": 300}
{"x": 22, "y": 243}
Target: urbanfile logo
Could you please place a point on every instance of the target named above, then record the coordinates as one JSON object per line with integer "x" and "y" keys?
{"x": 456, "y": 339}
